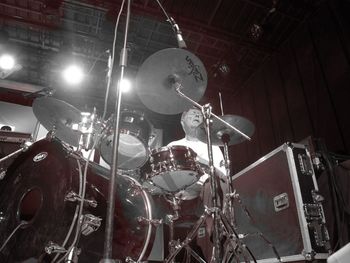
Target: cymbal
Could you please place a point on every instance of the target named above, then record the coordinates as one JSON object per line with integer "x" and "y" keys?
{"x": 158, "y": 73}
{"x": 59, "y": 115}
{"x": 217, "y": 129}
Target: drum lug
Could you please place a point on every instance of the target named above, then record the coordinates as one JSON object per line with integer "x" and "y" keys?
{"x": 2, "y": 173}
{"x": 164, "y": 166}
{"x": 153, "y": 168}
{"x": 135, "y": 189}
{"x": 90, "y": 223}
{"x": 129, "y": 259}
{"x": 54, "y": 248}
{"x": 73, "y": 197}
{"x": 153, "y": 222}
{"x": 188, "y": 154}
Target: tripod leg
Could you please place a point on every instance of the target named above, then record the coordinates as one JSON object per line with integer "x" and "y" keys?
{"x": 197, "y": 257}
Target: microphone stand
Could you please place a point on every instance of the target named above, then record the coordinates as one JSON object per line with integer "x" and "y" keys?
{"x": 180, "y": 41}
{"x": 108, "y": 244}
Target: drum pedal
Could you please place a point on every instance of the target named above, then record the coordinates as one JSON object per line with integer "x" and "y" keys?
{"x": 73, "y": 197}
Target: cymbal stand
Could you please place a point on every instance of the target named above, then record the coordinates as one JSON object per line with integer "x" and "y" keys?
{"x": 220, "y": 220}
{"x": 228, "y": 198}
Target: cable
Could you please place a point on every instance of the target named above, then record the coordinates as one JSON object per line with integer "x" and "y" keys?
{"x": 252, "y": 220}
{"x": 95, "y": 61}
{"x": 12, "y": 233}
{"x": 78, "y": 227}
{"x": 75, "y": 212}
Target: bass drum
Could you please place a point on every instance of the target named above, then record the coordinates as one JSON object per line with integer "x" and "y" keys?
{"x": 34, "y": 191}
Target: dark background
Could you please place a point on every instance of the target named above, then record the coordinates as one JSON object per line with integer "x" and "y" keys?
{"x": 292, "y": 81}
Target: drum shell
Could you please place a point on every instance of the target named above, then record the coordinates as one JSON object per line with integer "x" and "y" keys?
{"x": 172, "y": 169}
{"x": 54, "y": 176}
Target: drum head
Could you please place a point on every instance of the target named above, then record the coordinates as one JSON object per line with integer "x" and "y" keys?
{"x": 131, "y": 152}
{"x": 172, "y": 169}
{"x": 174, "y": 181}
{"x": 134, "y": 136}
{"x": 34, "y": 191}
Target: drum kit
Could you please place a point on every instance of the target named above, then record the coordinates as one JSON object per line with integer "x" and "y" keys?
{"x": 54, "y": 200}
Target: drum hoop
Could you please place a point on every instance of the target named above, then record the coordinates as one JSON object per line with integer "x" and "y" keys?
{"x": 177, "y": 168}
{"x": 173, "y": 147}
{"x": 149, "y": 215}
{"x": 136, "y": 135}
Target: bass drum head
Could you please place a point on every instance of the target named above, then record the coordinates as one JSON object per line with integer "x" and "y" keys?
{"x": 34, "y": 191}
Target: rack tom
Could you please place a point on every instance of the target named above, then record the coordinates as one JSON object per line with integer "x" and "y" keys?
{"x": 133, "y": 150}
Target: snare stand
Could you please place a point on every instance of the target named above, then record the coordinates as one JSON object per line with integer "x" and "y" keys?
{"x": 173, "y": 244}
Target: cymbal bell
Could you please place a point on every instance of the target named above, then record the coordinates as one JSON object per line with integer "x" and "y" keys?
{"x": 157, "y": 75}
{"x": 218, "y": 129}
{"x": 58, "y": 115}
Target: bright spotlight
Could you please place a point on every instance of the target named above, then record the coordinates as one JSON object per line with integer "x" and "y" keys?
{"x": 73, "y": 75}
{"x": 7, "y": 62}
{"x": 125, "y": 85}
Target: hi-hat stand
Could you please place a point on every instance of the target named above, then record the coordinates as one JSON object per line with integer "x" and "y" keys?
{"x": 220, "y": 220}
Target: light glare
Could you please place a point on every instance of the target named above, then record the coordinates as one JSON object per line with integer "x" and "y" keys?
{"x": 73, "y": 75}
{"x": 125, "y": 85}
{"x": 7, "y": 62}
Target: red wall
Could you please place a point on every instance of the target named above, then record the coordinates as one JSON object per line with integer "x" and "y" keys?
{"x": 302, "y": 90}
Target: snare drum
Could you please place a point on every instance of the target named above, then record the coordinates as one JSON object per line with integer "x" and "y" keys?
{"x": 134, "y": 136}
{"x": 36, "y": 189}
{"x": 172, "y": 169}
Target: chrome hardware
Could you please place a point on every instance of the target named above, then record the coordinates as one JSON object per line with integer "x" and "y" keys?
{"x": 2, "y": 217}
{"x": 54, "y": 248}
{"x": 309, "y": 256}
{"x": 73, "y": 197}
{"x": 153, "y": 222}
{"x": 90, "y": 223}
{"x": 2, "y": 173}
{"x": 317, "y": 197}
{"x": 313, "y": 211}
{"x": 305, "y": 164}
{"x": 281, "y": 202}
{"x": 320, "y": 233}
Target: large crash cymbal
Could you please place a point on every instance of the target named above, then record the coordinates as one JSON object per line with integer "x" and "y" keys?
{"x": 59, "y": 115}
{"x": 217, "y": 129}
{"x": 156, "y": 77}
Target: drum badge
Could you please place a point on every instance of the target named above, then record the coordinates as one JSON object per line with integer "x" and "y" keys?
{"x": 40, "y": 156}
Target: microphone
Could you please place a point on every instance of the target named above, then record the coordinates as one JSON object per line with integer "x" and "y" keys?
{"x": 180, "y": 41}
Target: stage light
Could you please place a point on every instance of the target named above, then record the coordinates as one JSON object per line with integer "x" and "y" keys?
{"x": 7, "y": 62}
{"x": 125, "y": 85}
{"x": 73, "y": 74}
